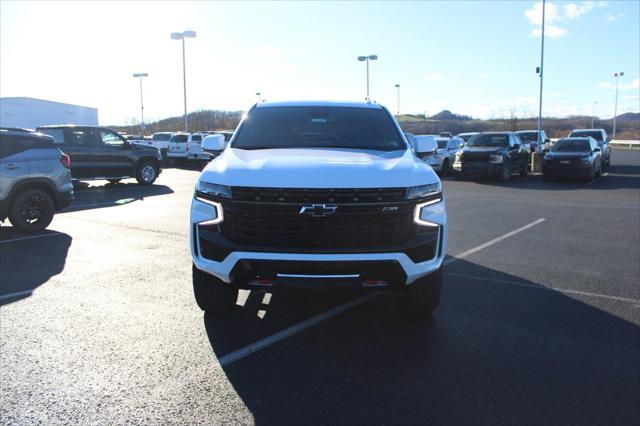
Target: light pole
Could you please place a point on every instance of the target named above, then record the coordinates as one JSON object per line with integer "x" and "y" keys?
{"x": 398, "y": 87}
{"x": 140, "y": 76}
{"x": 593, "y": 115}
{"x": 259, "y": 95}
{"x": 541, "y": 73}
{"x": 367, "y": 59}
{"x": 615, "y": 108}
{"x": 182, "y": 36}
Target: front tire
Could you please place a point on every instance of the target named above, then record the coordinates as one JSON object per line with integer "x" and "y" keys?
{"x": 423, "y": 295}
{"x": 32, "y": 210}
{"x": 213, "y": 295}
{"x": 147, "y": 173}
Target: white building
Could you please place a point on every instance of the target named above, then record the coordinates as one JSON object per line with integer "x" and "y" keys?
{"x": 29, "y": 113}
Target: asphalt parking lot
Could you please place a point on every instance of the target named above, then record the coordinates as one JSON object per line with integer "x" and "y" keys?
{"x": 538, "y": 321}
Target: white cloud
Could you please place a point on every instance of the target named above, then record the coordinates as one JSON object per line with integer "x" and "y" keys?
{"x": 550, "y": 31}
{"x": 573, "y": 10}
{"x": 557, "y": 18}
{"x": 634, "y": 84}
{"x": 434, "y": 76}
{"x": 610, "y": 17}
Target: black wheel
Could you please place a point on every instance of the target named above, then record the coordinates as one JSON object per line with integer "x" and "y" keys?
{"x": 505, "y": 174}
{"x": 460, "y": 176}
{"x": 147, "y": 173}
{"x": 31, "y": 210}
{"x": 213, "y": 295}
{"x": 445, "y": 168}
{"x": 423, "y": 295}
{"x": 114, "y": 181}
{"x": 592, "y": 177}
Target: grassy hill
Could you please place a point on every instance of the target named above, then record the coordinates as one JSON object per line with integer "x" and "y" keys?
{"x": 628, "y": 125}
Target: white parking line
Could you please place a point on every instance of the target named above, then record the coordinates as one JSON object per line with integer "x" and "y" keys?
{"x": 492, "y": 242}
{"x": 290, "y": 331}
{"x": 30, "y": 237}
{"x": 540, "y": 287}
{"x": 297, "y": 328}
{"x": 16, "y": 294}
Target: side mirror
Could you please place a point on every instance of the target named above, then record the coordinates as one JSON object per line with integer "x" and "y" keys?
{"x": 213, "y": 143}
{"x": 547, "y": 140}
{"x": 516, "y": 146}
{"x": 608, "y": 139}
{"x": 425, "y": 145}
{"x": 596, "y": 150}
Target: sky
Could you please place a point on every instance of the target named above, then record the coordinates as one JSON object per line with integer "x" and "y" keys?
{"x": 476, "y": 58}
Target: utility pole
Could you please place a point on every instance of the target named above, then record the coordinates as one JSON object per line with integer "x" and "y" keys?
{"x": 541, "y": 69}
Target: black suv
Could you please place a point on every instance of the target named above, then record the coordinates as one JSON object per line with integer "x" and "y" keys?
{"x": 600, "y": 135}
{"x": 100, "y": 153}
{"x": 573, "y": 157}
{"x": 492, "y": 154}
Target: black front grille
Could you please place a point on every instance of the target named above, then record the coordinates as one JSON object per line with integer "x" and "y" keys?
{"x": 356, "y": 226}
{"x": 312, "y": 195}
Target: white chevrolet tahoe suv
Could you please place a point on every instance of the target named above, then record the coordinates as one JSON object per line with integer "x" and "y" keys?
{"x": 318, "y": 194}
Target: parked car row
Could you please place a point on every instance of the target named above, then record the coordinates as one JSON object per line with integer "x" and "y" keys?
{"x": 181, "y": 145}
{"x": 502, "y": 154}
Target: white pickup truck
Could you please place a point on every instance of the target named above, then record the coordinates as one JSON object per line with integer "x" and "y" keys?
{"x": 318, "y": 194}
{"x": 187, "y": 146}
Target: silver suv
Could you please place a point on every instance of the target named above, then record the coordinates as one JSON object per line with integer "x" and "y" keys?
{"x": 35, "y": 180}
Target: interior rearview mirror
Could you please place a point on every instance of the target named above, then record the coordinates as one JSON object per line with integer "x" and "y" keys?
{"x": 213, "y": 143}
{"x": 425, "y": 145}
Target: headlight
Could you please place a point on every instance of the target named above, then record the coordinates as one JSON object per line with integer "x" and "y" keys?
{"x": 423, "y": 191}
{"x": 496, "y": 159}
{"x": 213, "y": 189}
{"x": 430, "y": 213}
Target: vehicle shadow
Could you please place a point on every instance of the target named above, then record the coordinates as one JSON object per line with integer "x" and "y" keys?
{"x": 27, "y": 264}
{"x": 499, "y": 350}
{"x": 109, "y": 195}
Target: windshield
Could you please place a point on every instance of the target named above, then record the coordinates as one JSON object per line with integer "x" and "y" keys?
{"x": 499, "y": 140}
{"x": 161, "y": 137}
{"x": 442, "y": 144}
{"x": 318, "y": 127}
{"x": 572, "y": 145}
{"x": 528, "y": 136}
{"x": 179, "y": 138}
{"x": 584, "y": 133}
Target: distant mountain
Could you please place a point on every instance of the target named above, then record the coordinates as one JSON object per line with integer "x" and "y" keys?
{"x": 447, "y": 115}
{"x": 629, "y": 116}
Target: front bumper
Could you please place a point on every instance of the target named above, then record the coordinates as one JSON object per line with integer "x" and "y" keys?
{"x": 236, "y": 264}
{"x": 477, "y": 168}
{"x": 567, "y": 172}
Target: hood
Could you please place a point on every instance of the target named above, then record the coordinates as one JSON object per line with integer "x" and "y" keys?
{"x": 568, "y": 154}
{"x": 484, "y": 149}
{"x": 318, "y": 168}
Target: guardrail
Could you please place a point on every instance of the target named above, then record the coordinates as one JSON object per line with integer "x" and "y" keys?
{"x": 625, "y": 143}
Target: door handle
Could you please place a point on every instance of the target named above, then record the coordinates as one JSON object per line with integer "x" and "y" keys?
{"x": 12, "y": 166}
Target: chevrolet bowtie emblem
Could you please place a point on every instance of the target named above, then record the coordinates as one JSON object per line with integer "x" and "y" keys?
{"x": 319, "y": 210}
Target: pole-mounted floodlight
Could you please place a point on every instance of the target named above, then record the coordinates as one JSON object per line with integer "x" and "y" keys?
{"x": 367, "y": 59}
{"x": 617, "y": 75}
{"x": 182, "y": 36}
{"x": 140, "y": 76}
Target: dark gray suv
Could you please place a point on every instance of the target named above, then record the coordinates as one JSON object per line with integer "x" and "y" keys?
{"x": 35, "y": 179}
